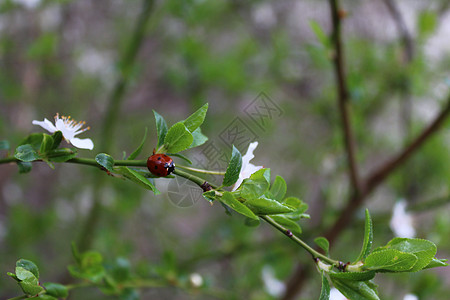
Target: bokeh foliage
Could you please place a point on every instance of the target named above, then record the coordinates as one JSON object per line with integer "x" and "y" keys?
{"x": 62, "y": 56}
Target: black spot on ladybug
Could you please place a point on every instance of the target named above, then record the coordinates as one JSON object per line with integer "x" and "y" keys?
{"x": 156, "y": 167}
{"x": 159, "y": 157}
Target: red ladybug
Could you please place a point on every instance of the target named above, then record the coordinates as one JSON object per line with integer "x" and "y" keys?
{"x": 160, "y": 165}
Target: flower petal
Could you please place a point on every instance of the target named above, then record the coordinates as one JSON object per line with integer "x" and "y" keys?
{"x": 66, "y": 131}
{"x": 249, "y": 155}
{"x": 247, "y": 168}
{"x": 401, "y": 221}
{"x": 82, "y": 143}
{"x": 46, "y": 124}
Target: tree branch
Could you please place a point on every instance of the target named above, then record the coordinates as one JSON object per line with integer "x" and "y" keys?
{"x": 343, "y": 96}
{"x": 380, "y": 174}
{"x": 294, "y": 284}
{"x": 361, "y": 189}
{"x": 406, "y": 38}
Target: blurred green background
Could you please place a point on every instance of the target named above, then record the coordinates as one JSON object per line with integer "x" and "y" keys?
{"x": 264, "y": 68}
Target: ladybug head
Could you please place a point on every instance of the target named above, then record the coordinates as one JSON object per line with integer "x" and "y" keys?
{"x": 170, "y": 167}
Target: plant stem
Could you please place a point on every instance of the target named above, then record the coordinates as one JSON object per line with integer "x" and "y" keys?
{"x": 8, "y": 160}
{"x": 343, "y": 97}
{"x": 201, "y": 170}
{"x": 195, "y": 179}
{"x": 200, "y": 182}
{"x": 314, "y": 253}
{"x": 19, "y": 297}
{"x": 92, "y": 162}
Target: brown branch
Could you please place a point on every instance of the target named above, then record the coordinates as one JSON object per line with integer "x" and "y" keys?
{"x": 295, "y": 282}
{"x": 406, "y": 38}
{"x": 380, "y": 174}
{"x": 375, "y": 178}
{"x": 362, "y": 189}
{"x": 343, "y": 95}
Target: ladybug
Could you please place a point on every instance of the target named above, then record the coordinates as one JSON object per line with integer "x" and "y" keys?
{"x": 160, "y": 165}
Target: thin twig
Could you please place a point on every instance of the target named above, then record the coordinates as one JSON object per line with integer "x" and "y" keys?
{"x": 380, "y": 174}
{"x": 375, "y": 178}
{"x": 406, "y": 38}
{"x": 294, "y": 283}
{"x": 343, "y": 96}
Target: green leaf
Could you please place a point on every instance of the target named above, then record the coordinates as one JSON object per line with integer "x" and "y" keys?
{"x": 62, "y": 154}
{"x": 4, "y": 145}
{"x": 137, "y": 178}
{"x": 178, "y": 138}
{"x": 428, "y": 22}
{"x": 57, "y": 138}
{"x": 56, "y": 290}
{"x": 105, "y": 160}
{"x": 13, "y": 276}
{"x": 31, "y": 287}
{"x": 435, "y": 262}
{"x": 390, "y": 260}
{"x": 198, "y": 138}
{"x": 161, "y": 128}
{"x": 121, "y": 270}
{"x": 29, "y": 266}
{"x": 300, "y": 208}
{"x": 234, "y": 168}
{"x": 24, "y": 166}
{"x": 47, "y": 144}
{"x": 368, "y": 237}
{"x": 355, "y": 276}
{"x": 234, "y": 204}
{"x": 75, "y": 253}
{"x": 89, "y": 267}
{"x": 34, "y": 139}
{"x": 91, "y": 259}
{"x": 266, "y": 206}
{"x": 424, "y": 250}
{"x": 320, "y": 34}
{"x": 256, "y": 185}
{"x": 196, "y": 119}
{"x": 252, "y": 222}
{"x": 356, "y": 290}
{"x": 24, "y": 274}
{"x": 278, "y": 189}
{"x": 26, "y": 153}
{"x": 323, "y": 243}
{"x": 288, "y": 224}
{"x": 180, "y": 156}
{"x": 139, "y": 149}
{"x": 325, "y": 291}
{"x": 210, "y": 196}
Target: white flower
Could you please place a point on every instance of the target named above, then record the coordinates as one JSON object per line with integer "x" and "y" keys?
{"x": 410, "y": 297}
{"x": 247, "y": 168}
{"x": 401, "y": 221}
{"x": 69, "y": 129}
{"x": 336, "y": 295}
{"x": 196, "y": 280}
{"x": 274, "y": 286}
